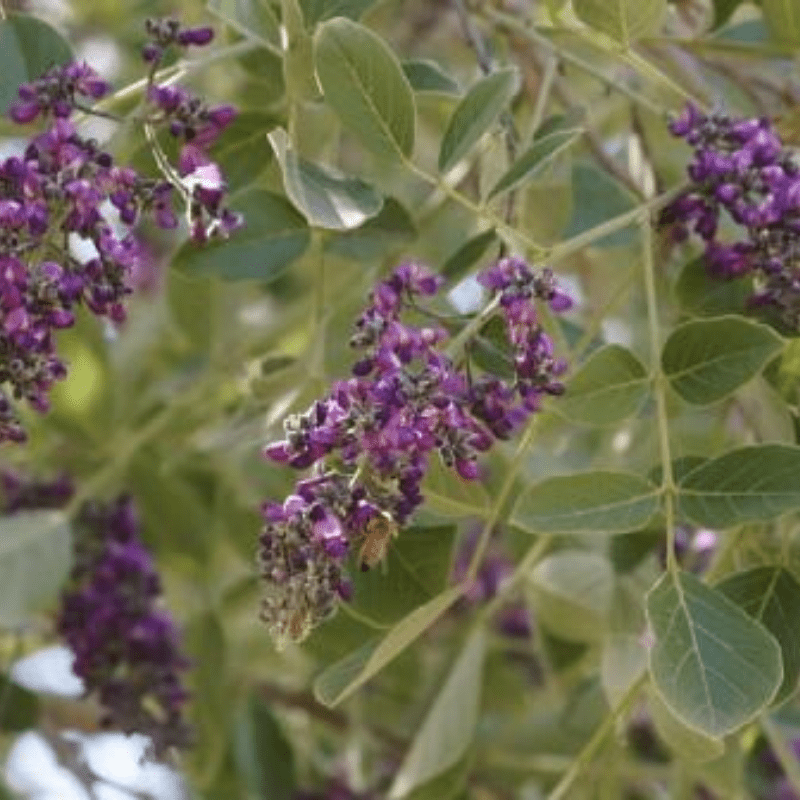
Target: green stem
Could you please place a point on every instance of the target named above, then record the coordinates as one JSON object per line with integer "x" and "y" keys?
{"x": 529, "y": 32}
{"x": 480, "y": 211}
{"x": 471, "y": 328}
{"x": 659, "y": 390}
{"x": 595, "y": 743}
{"x": 561, "y": 251}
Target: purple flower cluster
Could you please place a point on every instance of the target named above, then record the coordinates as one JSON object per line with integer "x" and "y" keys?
{"x": 370, "y": 440}
{"x": 126, "y": 646}
{"x": 23, "y": 494}
{"x": 741, "y": 166}
{"x": 60, "y": 192}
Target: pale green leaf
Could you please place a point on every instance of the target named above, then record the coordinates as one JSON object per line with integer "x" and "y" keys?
{"x": 705, "y": 360}
{"x": 28, "y": 48}
{"x": 571, "y": 593}
{"x": 344, "y": 677}
{"x": 771, "y": 595}
{"x": 715, "y": 667}
{"x": 366, "y": 87}
{"x": 474, "y": 115}
{"x": 587, "y": 502}
{"x": 325, "y": 197}
{"x": 252, "y": 18}
{"x": 535, "y": 159}
{"x": 273, "y": 236}
{"x": 612, "y": 385}
{"x": 689, "y": 743}
{"x": 35, "y": 559}
{"x": 428, "y": 76}
{"x": 625, "y": 21}
{"x": 449, "y": 727}
{"x": 745, "y": 485}
{"x": 705, "y": 295}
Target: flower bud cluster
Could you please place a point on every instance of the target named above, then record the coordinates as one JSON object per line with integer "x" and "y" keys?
{"x": 370, "y": 440}
{"x": 24, "y": 494}
{"x": 126, "y": 646}
{"x": 742, "y": 167}
{"x": 65, "y": 189}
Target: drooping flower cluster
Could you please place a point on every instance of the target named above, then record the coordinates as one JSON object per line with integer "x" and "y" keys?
{"x": 26, "y": 494}
{"x": 58, "y": 193}
{"x": 742, "y": 167}
{"x": 371, "y": 439}
{"x": 126, "y": 646}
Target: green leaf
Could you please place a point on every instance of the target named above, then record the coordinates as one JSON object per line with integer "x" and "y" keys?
{"x": 471, "y": 251}
{"x": 541, "y": 153}
{"x": 344, "y": 677}
{"x": 704, "y": 295}
{"x": 416, "y": 569}
{"x": 705, "y": 360}
{"x": 611, "y": 386}
{"x": 474, "y": 115}
{"x": 428, "y": 76}
{"x": 572, "y": 593}
{"x": 35, "y": 560}
{"x": 689, "y": 743}
{"x": 319, "y": 10}
{"x": 298, "y": 55}
{"x": 450, "y": 496}
{"x": 714, "y": 666}
{"x": 263, "y": 756}
{"x": 622, "y": 663}
{"x": 28, "y": 48}
{"x": 366, "y": 87}
{"x": 597, "y": 197}
{"x": 783, "y": 20}
{"x": 252, "y": 18}
{"x": 273, "y": 236}
{"x": 392, "y": 228}
{"x": 450, "y": 725}
{"x": 325, "y": 197}
{"x": 745, "y": 485}
{"x": 625, "y": 21}
{"x": 771, "y": 595}
{"x": 242, "y": 150}
{"x": 587, "y": 502}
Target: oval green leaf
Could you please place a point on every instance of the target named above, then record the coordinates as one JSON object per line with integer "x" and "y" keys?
{"x": 714, "y": 667}
{"x": 415, "y": 569}
{"x": 273, "y": 236}
{"x": 450, "y": 725}
{"x": 771, "y": 595}
{"x": 348, "y": 674}
{"x": 687, "y": 742}
{"x": 625, "y": 21}
{"x": 745, "y": 485}
{"x": 704, "y": 295}
{"x": 35, "y": 559}
{"x": 541, "y": 153}
{"x": 428, "y": 76}
{"x": 571, "y": 593}
{"x": 587, "y": 502}
{"x": 28, "y": 48}
{"x": 366, "y": 87}
{"x": 325, "y": 197}
{"x": 254, "y": 19}
{"x": 475, "y": 114}
{"x": 609, "y": 387}
{"x": 318, "y": 10}
{"x": 706, "y": 360}
{"x": 471, "y": 251}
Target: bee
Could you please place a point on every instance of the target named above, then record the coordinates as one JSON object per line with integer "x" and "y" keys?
{"x": 378, "y": 532}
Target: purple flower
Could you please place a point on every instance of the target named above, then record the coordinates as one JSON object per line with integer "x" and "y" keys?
{"x": 370, "y": 440}
{"x": 741, "y": 168}
{"x": 126, "y": 647}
